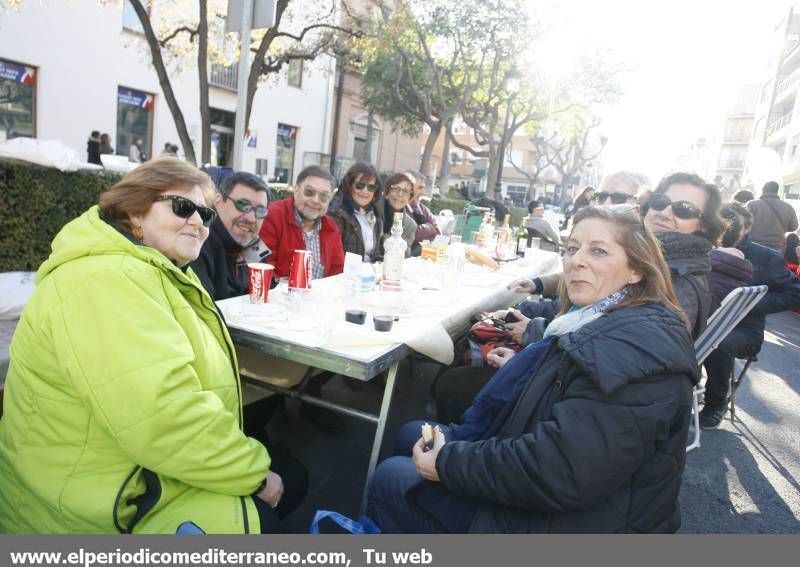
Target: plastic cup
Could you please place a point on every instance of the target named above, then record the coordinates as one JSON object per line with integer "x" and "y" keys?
{"x": 535, "y": 243}
{"x": 356, "y": 316}
{"x": 383, "y": 323}
{"x": 260, "y": 281}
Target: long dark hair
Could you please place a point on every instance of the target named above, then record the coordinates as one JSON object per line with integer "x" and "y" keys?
{"x": 366, "y": 171}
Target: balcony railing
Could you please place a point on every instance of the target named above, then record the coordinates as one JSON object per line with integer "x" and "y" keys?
{"x": 731, "y": 164}
{"x": 788, "y": 82}
{"x": 779, "y": 124}
{"x": 224, "y": 77}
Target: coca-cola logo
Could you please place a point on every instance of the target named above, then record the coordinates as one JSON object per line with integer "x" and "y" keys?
{"x": 256, "y": 282}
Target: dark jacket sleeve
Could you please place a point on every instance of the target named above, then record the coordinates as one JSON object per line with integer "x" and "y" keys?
{"x": 428, "y": 229}
{"x": 202, "y": 267}
{"x": 585, "y": 453}
{"x": 541, "y": 307}
{"x": 688, "y": 299}
{"x": 784, "y": 289}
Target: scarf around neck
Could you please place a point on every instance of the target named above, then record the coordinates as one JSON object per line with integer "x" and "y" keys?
{"x": 678, "y": 245}
{"x": 577, "y": 317}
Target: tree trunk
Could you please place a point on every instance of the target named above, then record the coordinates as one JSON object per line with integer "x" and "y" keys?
{"x": 164, "y": 82}
{"x": 202, "y": 73}
{"x": 444, "y": 177}
{"x": 425, "y": 160}
{"x": 492, "y": 171}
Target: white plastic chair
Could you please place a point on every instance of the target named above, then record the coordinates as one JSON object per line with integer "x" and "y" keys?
{"x": 736, "y": 305}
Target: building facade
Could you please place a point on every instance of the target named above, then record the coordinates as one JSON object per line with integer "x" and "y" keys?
{"x": 68, "y": 68}
{"x": 774, "y": 152}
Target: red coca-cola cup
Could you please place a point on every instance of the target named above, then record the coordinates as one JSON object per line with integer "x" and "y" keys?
{"x": 300, "y": 272}
{"x": 260, "y": 281}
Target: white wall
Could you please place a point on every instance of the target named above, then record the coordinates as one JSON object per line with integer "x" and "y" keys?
{"x": 83, "y": 55}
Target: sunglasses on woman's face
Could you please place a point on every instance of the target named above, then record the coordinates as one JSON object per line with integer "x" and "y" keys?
{"x": 616, "y": 198}
{"x": 185, "y": 208}
{"x": 681, "y": 209}
{"x": 360, "y": 185}
{"x": 245, "y": 206}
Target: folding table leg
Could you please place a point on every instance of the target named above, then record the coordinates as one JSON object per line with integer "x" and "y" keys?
{"x": 388, "y": 391}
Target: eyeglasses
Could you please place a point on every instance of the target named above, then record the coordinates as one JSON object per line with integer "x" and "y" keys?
{"x": 245, "y": 206}
{"x": 616, "y": 198}
{"x": 323, "y": 196}
{"x": 399, "y": 189}
{"x": 185, "y": 208}
{"x": 360, "y": 185}
{"x": 681, "y": 209}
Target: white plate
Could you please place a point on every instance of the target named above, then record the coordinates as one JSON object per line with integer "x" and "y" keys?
{"x": 259, "y": 312}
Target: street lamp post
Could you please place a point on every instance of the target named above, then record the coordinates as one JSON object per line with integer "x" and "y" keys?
{"x": 511, "y": 86}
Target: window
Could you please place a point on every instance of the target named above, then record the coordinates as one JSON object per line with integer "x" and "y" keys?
{"x": 294, "y": 73}
{"x": 134, "y": 120}
{"x": 284, "y": 153}
{"x": 130, "y": 21}
{"x": 222, "y": 125}
{"x": 17, "y": 101}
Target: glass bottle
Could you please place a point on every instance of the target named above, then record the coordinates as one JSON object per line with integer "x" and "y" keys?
{"x": 522, "y": 236}
{"x": 394, "y": 251}
{"x": 456, "y": 257}
{"x": 503, "y": 237}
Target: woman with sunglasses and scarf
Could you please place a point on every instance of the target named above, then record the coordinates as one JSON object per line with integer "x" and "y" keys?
{"x": 684, "y": 213}
{"x": 359, "y": 218}
{"x": 397, "y": 193}
{"x": 123, "y": 402}
{"x": 583, "y": 431}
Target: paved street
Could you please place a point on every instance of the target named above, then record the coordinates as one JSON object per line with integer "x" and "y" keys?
{"x": 746, "y": 476}
{"x": 744, "y": 479}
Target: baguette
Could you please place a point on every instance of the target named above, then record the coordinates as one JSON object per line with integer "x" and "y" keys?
{"x": 477, "y": 257}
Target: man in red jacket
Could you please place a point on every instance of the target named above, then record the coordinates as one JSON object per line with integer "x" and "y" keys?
{"x": 299, "y": 223}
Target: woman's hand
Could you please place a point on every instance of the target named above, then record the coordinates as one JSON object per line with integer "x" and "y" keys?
{"x": 501, "y": 314}
{"x": 426, "y": 460}
{"x": 497, "y": 357}
{"x": 517, "y": 329}
{"x": 521, "y": 285}
{"x": 273, "y": 491}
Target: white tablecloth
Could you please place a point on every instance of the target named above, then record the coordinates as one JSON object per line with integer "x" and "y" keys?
{"x": 428, "y": 314}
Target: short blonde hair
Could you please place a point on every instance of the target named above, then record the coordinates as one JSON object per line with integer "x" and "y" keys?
{"x": 136, "y": 192}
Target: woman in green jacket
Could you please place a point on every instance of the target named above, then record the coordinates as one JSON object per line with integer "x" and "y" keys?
{"x": 123, "y": 402}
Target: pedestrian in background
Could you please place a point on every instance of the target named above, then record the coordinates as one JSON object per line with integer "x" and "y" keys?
{"x": 105, "y": 144}
{"x": 93, "y": 148}
{"x": 135, "y": 152}
{"x": 772, "y": 218}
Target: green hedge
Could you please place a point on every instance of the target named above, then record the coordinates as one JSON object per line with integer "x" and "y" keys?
{"x": 35, "y": 202}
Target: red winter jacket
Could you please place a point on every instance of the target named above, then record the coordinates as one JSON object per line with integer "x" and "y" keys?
{"x": 281, "y": 233}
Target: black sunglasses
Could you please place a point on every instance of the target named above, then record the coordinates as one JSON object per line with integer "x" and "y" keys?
{"x": 361, "y": 186}
{"x": 245, "y": 206}
{"x": 681, "y": 209}
{"x": 616, "y": 198}
{"x": 185, "y": 208}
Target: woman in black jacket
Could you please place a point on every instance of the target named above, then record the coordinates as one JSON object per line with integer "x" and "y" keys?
{"x": 684, "y": 213}
{"x": 584, "y": 431}
{"x": 359, "y": 218}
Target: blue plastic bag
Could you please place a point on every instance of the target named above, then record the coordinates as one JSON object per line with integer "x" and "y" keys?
{"x": 360, "y": 527}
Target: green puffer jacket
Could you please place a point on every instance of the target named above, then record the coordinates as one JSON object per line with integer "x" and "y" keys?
{"x": 123, "y": 403}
